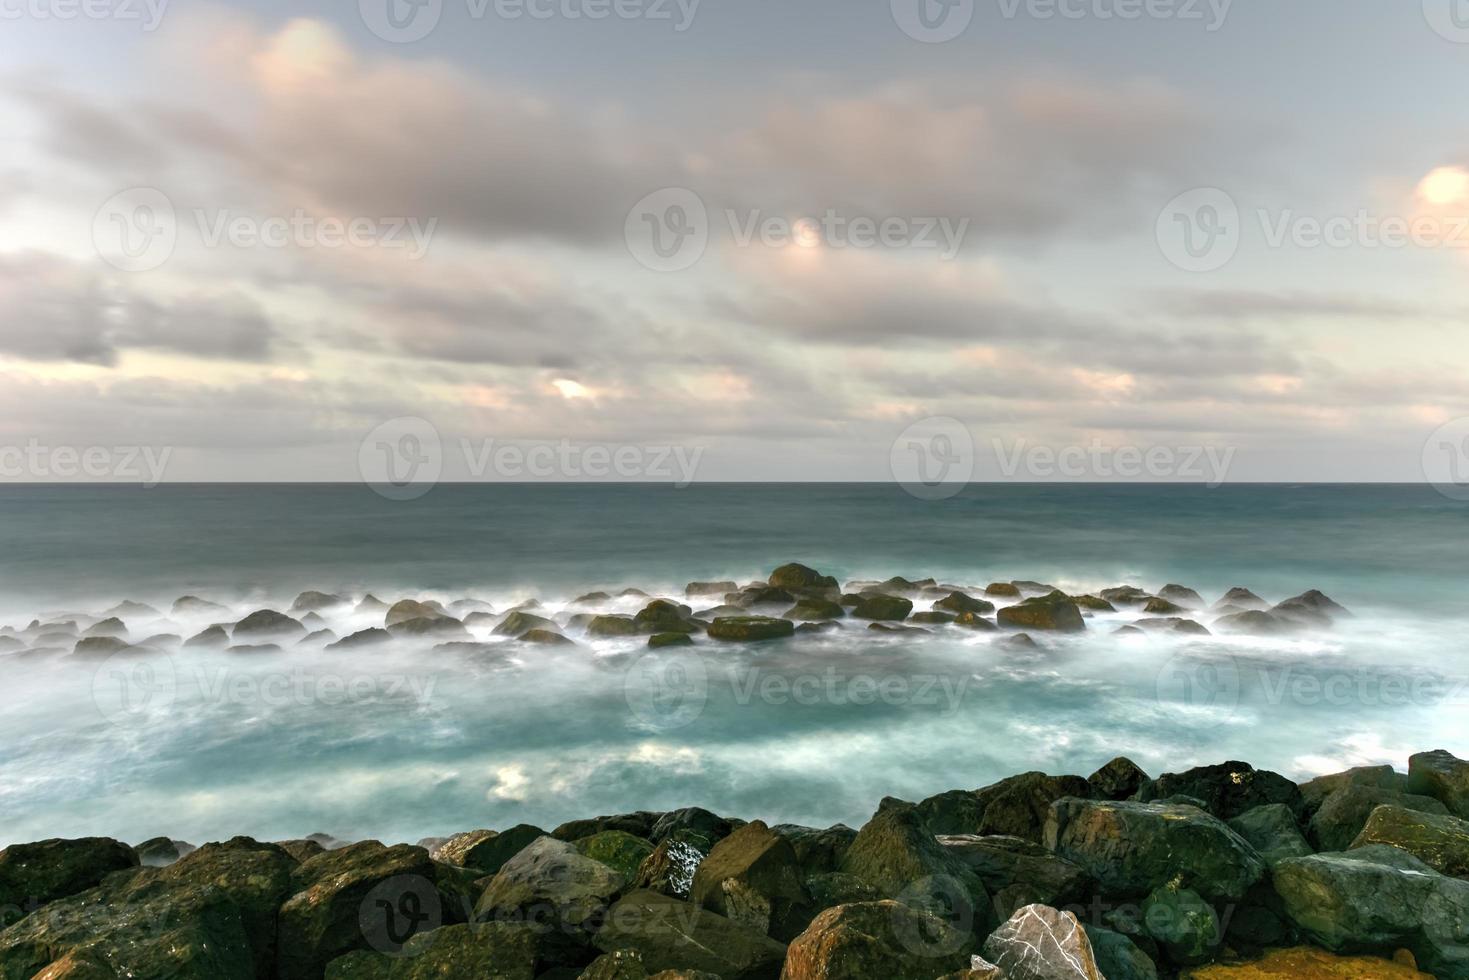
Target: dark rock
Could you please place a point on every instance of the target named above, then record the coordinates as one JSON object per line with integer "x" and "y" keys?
{"x": 670, "y": 869}
{"x": 959, "y": 602}
{"x": 975, "y": 621}
{"x": 406, "y": 609}
{"x": 886, "y": 940}
{"x": 99, "y": 646}
{"x": 1118, "y": 957}
{"x": 659, "y": 641}
{"x": 440, "y": 627}
{"x": 1443, "y": 777}
{"x": 613, "y": 626}
{"x": 1094, "y": 603}
{"x": 1378, "y": 899}
{"x": 362, "y": 639}
{"x": 883, "y": 607}
{"x": 895, "y": 628}
{"x": 214, "y": 636}
{"x": 1181, "y": 596}
{"x": 265, "y": 623}
{"x": 1310, "y": 609}
{"x": 1227, "y": 789}
{"x": 32, "y": 875}
{"x": 1119, "y": 779}
{"x": 1054, "y": 611}
{"x": 301, "y": 849}
{"x": 1019, "y": 806}
{"x": 759, "y": 595}
{"x": 959, "y": 811}
{"x": 1254, "y": 622}
{"x": 1040, "y": 943}
{"x": 662, "y": 616}
{"x": 639, "y": 824}
{"x": 1028, "y": 587}
{"x": 832, "y": 888}
{"x": 1022, "y": 642}
{"x": 1314, "y": 791}
{"x": 370, "y": 604}
{"x": 517, "y": 624}
{"x": 1157, "y": 606}
{"x": 1242, "y": 598}
{"x": 753, "y": 878}
{"x": 107, "y": 627}
{"x": 624, "y": 964}
{"x": 931, "y": 618}
{"x": 1438, "y": 840}
{"x": 556, "y": 888}
{"x": 897, "y": 854}
{"x": 1184, "y": 926}
{"x": 619, "y": 850}
{"x": 1272, "y": 830}
{"x": 1343, "y": 814}
{"x": 1128, "y": 630}
{"x": 493, "y": 950}
{"x": 798, "y": 577}
{"x": 486, "y": 851}
{"x": 818, "y": 851}
{"x": 308, "y": 602}
{"x": 815, "y": 609}
{"x": 355, "y": 897}
{"x": 254, "y": 649}
{"x": 321, "y": 637}
{"x": 826, "y": 627}
{"x": 750, "y": 629}
{"x": 1003, "y": 590}
{"x": 1126, "y": 595}
{"x": 591, "y": 599}
{"x": 671, "y": 934}
{"x": 1132, "y": 848}
{"x": 710, "y": 826}
{"x": 190, "y": 605}
{"x": 160, "y": 852}
{"x": 1019, "y": 872}
{"x": 546, "y": 638}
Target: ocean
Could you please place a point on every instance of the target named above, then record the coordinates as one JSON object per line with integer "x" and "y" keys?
{"x": 402, "y": 741}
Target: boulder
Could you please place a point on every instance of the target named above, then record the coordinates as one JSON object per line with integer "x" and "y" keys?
{"x": 1055, "y": 612}
{"x": 662, "y": 616}
{"x": 100, "y": 646}
{"x": 932, "y": 618}
{"x": 1126, "y": 595}
{"x": 612, "y": 626}
{"x": 639, "y": 824}
{"x": 1314, "y": 791}
{"x": 1003, "y": 590}
{"x": 546, "y": 638}
{"x": 659, "y": 641}
{"x": 753, "y": 877}
{"x": 886, "y": 940}
{"x": 830, "y": 889}
{"x": 309, "y": 602}
{"x": 1040, "y": 943}
{"x": 759, "y": 595}
{"x": 1443, "y": 777}
{"x": 1132, "y": 848}
{"x": 266, "y": 623}
{"x": 619, "y": 850}
{"x": 707, "y": 588}
{"x": 406, "y": 609}
{"x": 1311, "y": 608}
{"x": 1184, "y": 926}
{"x": 490, "y": 950}
{"x": 1242, "y": 599}
{"x": 107, "y": 627}
{"x": 1093, "y": 603}
{"x": 160, "y": 852}
{"x": 1019, "y": 872}
{"x": 1182, "y": 596}
{"x": 670, "y": 869}
{"x": 1119, "y": 779}
{"x": 624, "y": 964}
{"x": 486, "y": 851}
{"x": 211, "y": 914}
{"x": 898, "y": 855}
{"x": 192, "y": 605}
{"x": 673, "y": 935}
{"x": 1271, "y": 830}
{"x": 362, "y": 896}
{"x": 1343, "y": 814}
{"x": 812, "y": 608}
{"x": 958, "y": 811}
{"x": 818, "y": 851}
{"x": 553, "y": 884}
{"x": 441, "y": 627}
{"x": 370, "y": 605}
{"x": 800, "y": 578}
{"x": 895, "y": 628}
{"x": 975, "y": 621}
{"x": 883, "y": 608}
{"x": 1376, "y": 899}
{"x": 1157, "y": 606}
{"x": 36, "y": 874}
{"x": 1438, "y": 840}
{"x": 1118, "y": 957}
{"x": 1028, "y": 587}
{"x": 518, "y": 623}
{"x": 710, "y": 826}
{"x": 750, "y": 629}
{"x": 363, "y": 639}
{"x": 1227, "y": 789}
{"x": 959, "y": 602}
{"x": 214, "y": 636}
{"x": 1020, "y": 805}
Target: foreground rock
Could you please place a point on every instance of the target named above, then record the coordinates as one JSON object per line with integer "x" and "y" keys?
{"x": 1343, "y": 814}
{"x": 670, "y": 934}
{"x": 1378, "y": 899}
{"x": 1227, "y": 789}
{"x": 1310, "y": 964}
{"x": 1018, "y": 873}
{"x": 33, "y": 875}
{"x": 886, "y": 939}
{"x": 1442, "y": 776}
{"x": 486, "y": 851}
{"x": 1130, "y": 849}
{"x": 1040, "y": 943}
{"x": 752, "y": 877}
{"x": 553, "y": 885}
{"x": 1439, "y": 841}
{"x": 496, "y": 950}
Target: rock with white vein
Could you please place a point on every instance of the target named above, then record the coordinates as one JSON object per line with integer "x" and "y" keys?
{"x": 1040, "y": 943}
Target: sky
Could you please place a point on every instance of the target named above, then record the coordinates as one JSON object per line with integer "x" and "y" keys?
{"x": 668, "y": 239}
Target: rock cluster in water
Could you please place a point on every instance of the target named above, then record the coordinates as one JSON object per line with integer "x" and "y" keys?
{"x": 1222, "y": 872}
{"x": 795, "y": 600}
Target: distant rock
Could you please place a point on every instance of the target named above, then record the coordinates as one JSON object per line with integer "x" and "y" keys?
{"x": 1052, "y": 612}
{"x": 517, "y": 624}
{"x": 801, "y": 578}
{"x": 1126, "y": 595}
{"x": 1255, "y": 623}
{"x": 880, "y": 607}
{"x": 133, "y": 610}
{"x": 408, "y": 609}
{"x": 959, "y": 602}
{"x": 107, "y": 627}
{"x": 99, "y": 646}
{"x": 1311, "y": 608}
{"x": 1243, "y": 599}
{"x": 1003, "y": 590}
{"x": 694, "y": 589}
{"x": 316, "y": 601}
{"x": 750, "y": 629}
{"x": 362, "y": 639}
{"x": 370, "y": 605}
{"x": 189, "y": 605}
{"x": 268, "y": 624}
{"x": 1181, "y": 596}
{"x": 812, "y": 608}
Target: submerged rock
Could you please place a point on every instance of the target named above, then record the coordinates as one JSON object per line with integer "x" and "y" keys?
{"x": 877, "y": 606}
{"x": 1126, "y": 595}
{"x": 1054, "y": 611}
{"x": 545, "y": 638}
{"x": 1003, "y": 590}
{"x": 662, "y": 616}
{"x": 214, "y": 636}
{"x": 694, "y": 589}
{"x": 107, "y": 627}
{"x": 659, "y": 641}
{"x": 606, "y": 626}
{"x": 1255, "y": 623}
{"x": 798, "y": 577}
{"x": 815, "y": 609}
{"x": 517, "y": 624}
{"x": 1311, "y": 608}
{"x": 1242, "y": 599}
{"x": 440, "y": 627}
{"x": 405, "y": 609}
{"x": 960, "y": 602}
{"x": 750, "y": 629}
{"x": 267, "y": 623}
{"x": 362, "y": 639}
{"x": 190, "y": 605}
{"x": 308, "y": 602}
{"x": 1181, "y": 596}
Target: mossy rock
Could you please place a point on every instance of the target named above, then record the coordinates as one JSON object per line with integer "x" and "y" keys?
{"x": 618, "y": 850}
{"x": 491, "y": 950}
{"x": 883, "y": 608}
{"x": 1003, "y": 590}
{"x": 961, "y": 602}
{"x": 1306, "y": 963}
{"x": 662, "y": 616}
{"x": 1053, "y": 612}
{"x": 613, "y": 626}
{"x": 750, "y": 629}
{"x": 975, "y": 621}
{"x": 1094, "y": 603}
{"x": 546, "y": 638}
{"x": 659, "y": 641}
{"x": 1438, "y": 840}
{"x": 797, "y": 577}
{"x": 35, "y": 874}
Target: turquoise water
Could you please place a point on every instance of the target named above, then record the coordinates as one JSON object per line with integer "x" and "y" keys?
{"x": 404, "y": 742}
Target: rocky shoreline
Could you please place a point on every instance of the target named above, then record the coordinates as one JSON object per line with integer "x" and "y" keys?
{"x": 795, "y": 600}
{"x": 1211, "y": 873}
